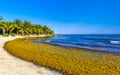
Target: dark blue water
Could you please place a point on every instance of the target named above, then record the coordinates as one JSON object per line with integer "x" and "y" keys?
{"x": 93, "y": 42}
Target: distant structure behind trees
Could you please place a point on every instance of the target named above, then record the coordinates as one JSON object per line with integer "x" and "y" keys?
{"x": 18, "y": 27}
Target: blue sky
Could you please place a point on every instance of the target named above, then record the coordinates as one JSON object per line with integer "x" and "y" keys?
{"x": 67, "y": 16}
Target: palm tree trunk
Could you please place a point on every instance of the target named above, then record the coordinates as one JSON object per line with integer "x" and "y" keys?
{"x": 17, "y": 32}
{"x": 8, "y": 31}
{"x": 3, "y": 31}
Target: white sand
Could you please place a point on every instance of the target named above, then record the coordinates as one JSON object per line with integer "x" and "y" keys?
{"x": 10, "y": 65}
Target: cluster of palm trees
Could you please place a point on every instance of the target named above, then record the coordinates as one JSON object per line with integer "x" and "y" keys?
{"x": 23, "y": 28}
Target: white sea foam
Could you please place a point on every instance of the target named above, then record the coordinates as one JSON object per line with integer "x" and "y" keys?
{"x": 115, "y": 42}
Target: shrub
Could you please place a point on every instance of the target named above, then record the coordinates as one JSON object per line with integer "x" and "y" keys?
{"x": 13, "y": 34}
{"x": 5, "y": 35}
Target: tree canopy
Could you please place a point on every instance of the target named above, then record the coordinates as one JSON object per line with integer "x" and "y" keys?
{"x": 19, "y": 27}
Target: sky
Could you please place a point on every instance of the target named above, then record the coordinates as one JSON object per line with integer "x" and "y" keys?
{"x": 66, "y": 16}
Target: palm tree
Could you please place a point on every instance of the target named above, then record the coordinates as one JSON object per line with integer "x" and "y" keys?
{"x": 45, "y": 29}
{"x": 10, "y": 27}
{"x": 17, "y": 23}
{"x": 27, "y": 24}
{"x": 27, "y": 27}
{"x": 3, "y": 26}
{"x": 24, "y": 28}
{"x": 37, "y": 29}
{"x": 7, "y": 27}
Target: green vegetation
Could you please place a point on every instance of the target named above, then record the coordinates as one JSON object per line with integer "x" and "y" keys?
{"x": 69, "y": 61}
{"x": 5, "y": 35}
{"x": 17, "y": 27}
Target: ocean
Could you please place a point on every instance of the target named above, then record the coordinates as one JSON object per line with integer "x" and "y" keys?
{"x": 108, "y": 42}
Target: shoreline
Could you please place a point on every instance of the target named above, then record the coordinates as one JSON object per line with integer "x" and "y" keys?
{"x": 10, "y": 65}
{"x": 63, "y": 59}
{"x": 77, "y": 48}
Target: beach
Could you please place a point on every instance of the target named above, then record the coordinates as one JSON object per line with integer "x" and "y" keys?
{"x": 66, "y": 60}
{"x": 10, "y": 65}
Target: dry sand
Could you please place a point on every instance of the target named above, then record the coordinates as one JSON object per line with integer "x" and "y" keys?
{"x": 10, "y": 65}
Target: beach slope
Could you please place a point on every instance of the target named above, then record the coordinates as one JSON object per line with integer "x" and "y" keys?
{"x": 10, "y": 65}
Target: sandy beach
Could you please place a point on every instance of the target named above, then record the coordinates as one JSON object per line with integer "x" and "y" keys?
{"x": 10, "y": 65}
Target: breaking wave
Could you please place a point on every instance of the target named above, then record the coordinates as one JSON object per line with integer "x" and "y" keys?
{"x": 115, "y": 42}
